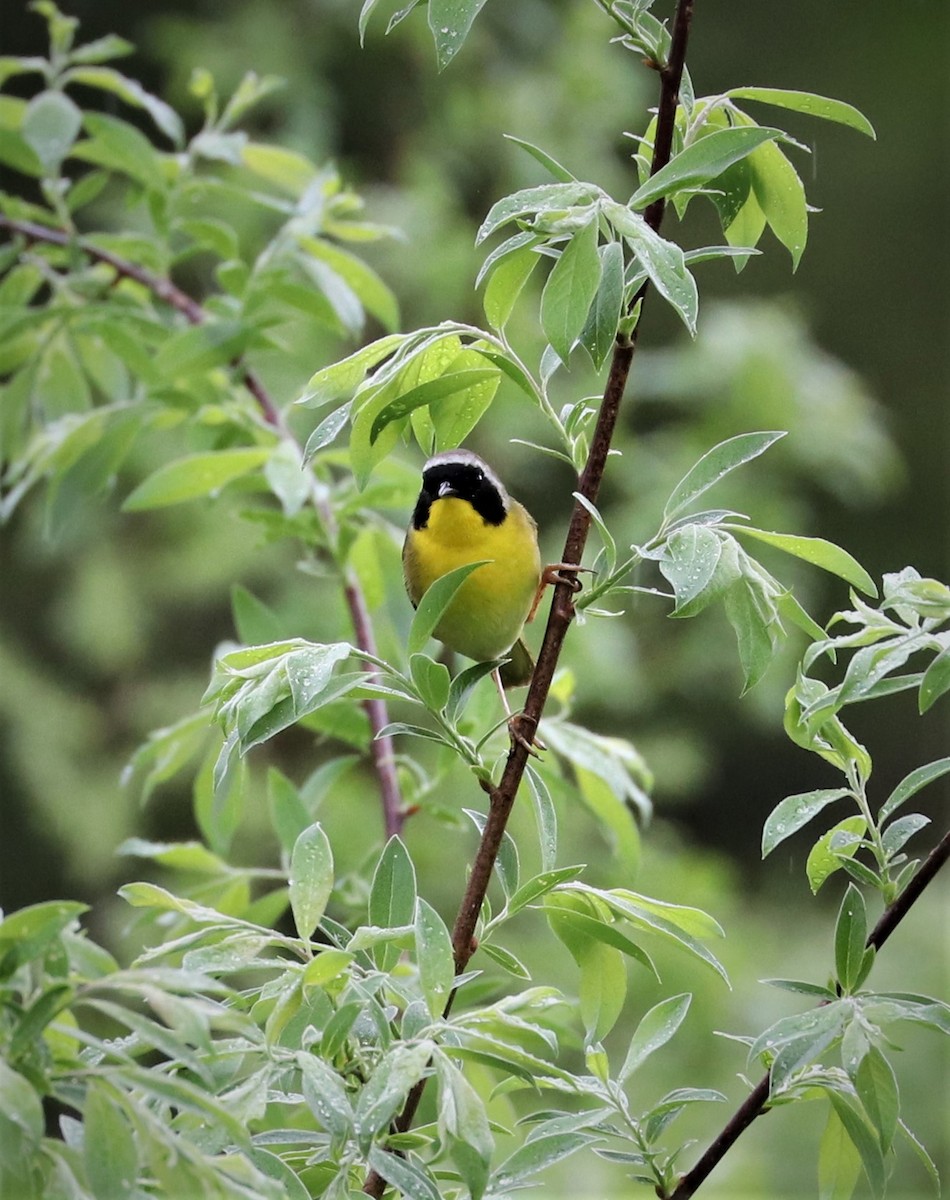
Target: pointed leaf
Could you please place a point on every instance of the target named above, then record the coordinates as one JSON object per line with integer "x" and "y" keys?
{"x": 600, "y": 331}
{"x": 817, "y": 551}
{"x": 435, "y": 958}
{"x": 435, "y": 602}
{"x": 715, "y": 465}
{"x": 569, "y": 291}
{"x": 311, "y": 879}
{"x": 450, "y": 21}
{"x": 704, "y": 160}
{"x": 850, "y": 935}
{"x": 912, "y": 784}
{"x": 792, "y": 813}
{"x": 807, "y": 102}
{"x": 194, "y": 476}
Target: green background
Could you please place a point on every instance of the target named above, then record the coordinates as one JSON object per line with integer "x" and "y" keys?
{"x": 108, "y": 628}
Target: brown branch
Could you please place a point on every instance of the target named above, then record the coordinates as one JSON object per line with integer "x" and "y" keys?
{"x": 562, "y": 609}
{"x": 757, "y": 1100}
{"x": 381, "y": 748}
{"x": 158, "y": 285}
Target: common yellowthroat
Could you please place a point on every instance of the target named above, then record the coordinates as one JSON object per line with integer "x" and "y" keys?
{"x": 463, "y": 515}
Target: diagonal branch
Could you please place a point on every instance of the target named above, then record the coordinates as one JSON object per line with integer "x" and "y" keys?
{"x": 381, "y": 748}
{"x": 561, "y": 614}
{"x": 757, "y": 1100}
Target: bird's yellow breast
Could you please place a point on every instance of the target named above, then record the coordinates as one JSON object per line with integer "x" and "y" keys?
{"x": 489, "y": 610}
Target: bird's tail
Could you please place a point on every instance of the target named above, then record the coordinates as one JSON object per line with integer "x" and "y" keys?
{"x": 517, "y": 671}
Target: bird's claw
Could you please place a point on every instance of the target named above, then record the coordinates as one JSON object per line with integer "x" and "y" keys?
{"x": 555, "y": 573}
{"x": 516, "y": 724}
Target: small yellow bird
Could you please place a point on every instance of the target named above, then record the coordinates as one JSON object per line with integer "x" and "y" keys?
{"x": 463, "y": 515}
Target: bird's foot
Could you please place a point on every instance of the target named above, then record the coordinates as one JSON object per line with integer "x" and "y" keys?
{"x": 521, "y": 727}
{"x": 553, "y": 574}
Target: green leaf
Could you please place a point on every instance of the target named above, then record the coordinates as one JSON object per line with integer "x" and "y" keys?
{"x": 911, "y": 784}
{"x": 692, "y": 554}
{"x": 435, "y": 602}
{"x": 570, "y": 290}
{"x": 593, "y": 929}
{"x": 654, "y": 1030}
{"x": 109, "y": 1152}
{"x": 506, "y": 283}
{"x": 255, "y": 622}
{"x": 392, "y": 898}
{"x": 288, "y": 479}
{"x": 864, "y": 1137}
{"x": 921, "y": 1152}
{"x": 665, "y": 264}
{"x": 399, "y": 1070}
{"x": 193, "y": 476}
{"x": 410, "y": 1177}
{"x": 50, "y": 126}
{"x": 330, "y": 383}
{"x": 470, "y": 388}
{"x": 839, "y": 1163}
{"x": 462, "y": 1115}
{"x": 672, "y": 923}
{"x": 132, "y": 92}
{"x": 795, "y": 1041}
{"x": 325, "y": 1094}
{"x": 600, "y": 330}
{"x": 549, "y": 196}
{"x": 119, "y": 146}
{"x": 541, "y": 884}
{"x": 20, "y": 1104}
{"x": 851, "y": 931}
{"x": 293, "y": 173}
{"x": 792, "y": 813}
{"x": 30, "y": 930}
{"x": 896, "y": 835}
{"x": 545, "y": 818}
{"x": 450, "y": 21}
{"x": 179, "y": 856}
{"x": 16, "y": 152}
{"x": 817, "y": 551}
{"x": 936, "y": 681}
{"x": 752, "y": 613}
{"x": 877, "y": 1090}
{"x": 506, "y": 960}
{"x": 535, "y": 1156}
{"x": 375, "y": 296}
{"x": 807, "y": 102}
{"x": 603, "y": 988}
{"x": 704, "y": 160}
{"x": 199, "y": 348}
{"x": 311, "y": 879}
{"x": 715, "y": 465}
{"x": 432, "y": 681}
{"x": 102, "y": 49}
{"x": 823, "y": 861}
{"x": 781, "y": 197}
{"x": 550, "y": 164}
{"x": 434, "y": 956}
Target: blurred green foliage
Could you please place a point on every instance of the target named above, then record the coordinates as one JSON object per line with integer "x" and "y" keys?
{"x": 108, "y": 628}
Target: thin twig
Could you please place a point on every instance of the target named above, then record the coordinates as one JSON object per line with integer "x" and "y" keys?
{"x": 561, "y": 614}
{"x": 381, "y": 748}
{"x": 757, "y": 1100}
